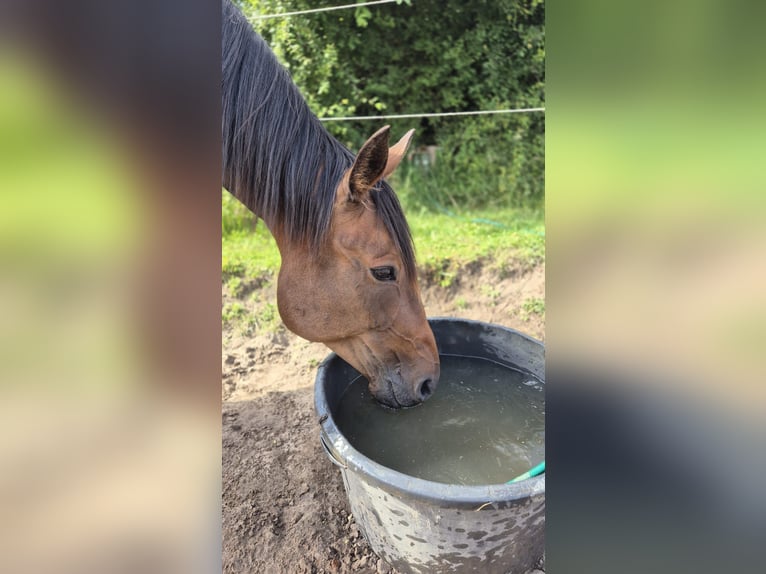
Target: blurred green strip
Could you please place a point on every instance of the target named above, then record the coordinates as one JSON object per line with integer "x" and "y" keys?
{"x": 65, "y": 187}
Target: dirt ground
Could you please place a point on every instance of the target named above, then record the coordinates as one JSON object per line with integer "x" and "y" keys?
{"x": 284, "y": 507}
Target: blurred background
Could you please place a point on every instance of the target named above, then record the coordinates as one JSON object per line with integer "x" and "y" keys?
{"x": 109, "y": 247}
{"x": 656, "y": 296}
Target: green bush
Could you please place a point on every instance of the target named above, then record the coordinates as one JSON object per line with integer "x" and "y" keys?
{"x": 431, "y": 56}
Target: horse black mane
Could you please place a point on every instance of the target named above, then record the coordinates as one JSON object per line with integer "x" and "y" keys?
{"x": 278, "y": 159}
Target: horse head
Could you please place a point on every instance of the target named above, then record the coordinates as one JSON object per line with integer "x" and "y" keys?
{"x": 359, "y": 294}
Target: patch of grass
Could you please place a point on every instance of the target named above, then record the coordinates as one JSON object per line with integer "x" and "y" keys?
{"x": 268, "y": 317}
{"x": 248, "y": 250}
{"x": 233, "y": 312}
{"x": 446, "y": 277}
{"x": 508, "y": 238}
{"x": 248, "y": 321}
{"x": 532, "y": 306}
{"x": 469, "y": 177}
{"x": 250, "y": 256}
{"x": 234, "y": 285}
{"x": 491, "y": 293}
{"x": 255, "y": 296}
{"x": 461, "y": 303}
{"x": 235, "y": 217}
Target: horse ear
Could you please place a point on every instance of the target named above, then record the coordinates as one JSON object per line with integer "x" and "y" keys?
{"x": 397, "y": 153}
{"x": 376, "y": 161}
{"x": 369, "y": 165}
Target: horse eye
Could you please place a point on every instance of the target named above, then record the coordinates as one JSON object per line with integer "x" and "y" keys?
{"x": 384, "y": 273}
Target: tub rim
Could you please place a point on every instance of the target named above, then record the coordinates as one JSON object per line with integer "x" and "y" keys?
{"x": 344, "y": 455}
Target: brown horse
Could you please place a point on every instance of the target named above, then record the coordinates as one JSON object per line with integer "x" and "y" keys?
{"x": 348, "y": 275}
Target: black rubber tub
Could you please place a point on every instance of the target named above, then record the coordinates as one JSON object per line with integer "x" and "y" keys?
{"x": 419, "y": 526}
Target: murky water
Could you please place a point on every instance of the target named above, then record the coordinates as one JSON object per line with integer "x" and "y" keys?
{"x": 484, "y": 424}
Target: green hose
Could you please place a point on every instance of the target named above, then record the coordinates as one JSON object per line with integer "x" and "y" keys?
{"x": 534, "y": 471}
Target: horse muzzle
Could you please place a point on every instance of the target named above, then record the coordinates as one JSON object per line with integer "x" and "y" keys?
{"x": 395, "y": 380}
{"x": 394, "y": 390}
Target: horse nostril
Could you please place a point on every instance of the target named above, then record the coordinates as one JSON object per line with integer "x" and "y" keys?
{"x": 425, "y": 390}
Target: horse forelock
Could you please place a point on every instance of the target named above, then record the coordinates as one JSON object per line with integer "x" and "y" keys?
{"x": 278, "y": 159}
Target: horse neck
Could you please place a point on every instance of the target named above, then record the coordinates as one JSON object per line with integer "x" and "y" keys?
{"x": 277, "y": 157}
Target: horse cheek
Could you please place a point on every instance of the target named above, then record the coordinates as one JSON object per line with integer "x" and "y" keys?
{"x": 293, "y": 316}
{"x": 383, "y": 307}
{"x": 296, "y": 309}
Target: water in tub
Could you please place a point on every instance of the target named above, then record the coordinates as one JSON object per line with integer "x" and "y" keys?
{"x": 484, "y": 424}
